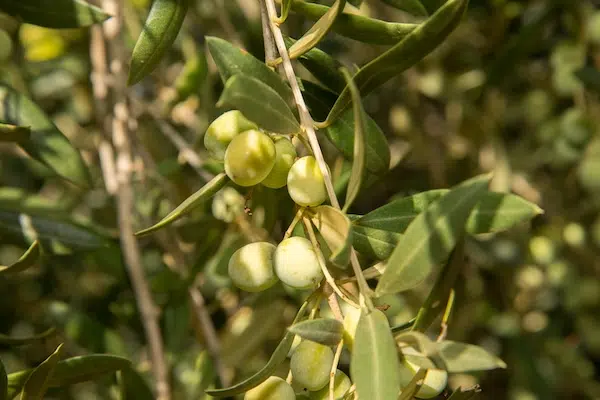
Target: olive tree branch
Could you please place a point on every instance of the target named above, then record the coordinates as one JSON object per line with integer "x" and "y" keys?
{"x": 118, "y": 123}
{"x": 308, "y": 125}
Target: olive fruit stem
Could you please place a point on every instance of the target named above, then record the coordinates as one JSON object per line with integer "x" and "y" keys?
{"x": 323, "y": 265}
{"x": 295, "y": 221}
{"x": 334, "y": 365}
{"x": 308, "y": 124}
{"x": 446, "y": 316}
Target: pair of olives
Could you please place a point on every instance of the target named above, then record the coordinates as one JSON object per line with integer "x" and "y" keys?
{"x": 310, "y": 365}
{"x": 258, "y": 266}
{"x": 252, "y": 157}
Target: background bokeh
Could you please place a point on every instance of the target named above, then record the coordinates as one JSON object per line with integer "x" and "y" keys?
{"x": 514, "y": 90}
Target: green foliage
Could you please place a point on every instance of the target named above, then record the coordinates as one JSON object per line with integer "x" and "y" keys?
{"x": 62, "y": 14}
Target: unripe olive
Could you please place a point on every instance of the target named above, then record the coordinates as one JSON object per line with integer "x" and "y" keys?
{"x": 274, "y": 388}
{"x": 305, "y": 182}
{"x": 223, "y": 129}
{"x": 251, "y": 267}
{"x": 285, "y": 156}
{"x": 311, "y": 364}
{"x": 249, "y": 158}
{"x": 296, "y": 263}
{"x": 341, "y": 384}
{"x": 434, "y": 383}
{"x": 227, "y": 204}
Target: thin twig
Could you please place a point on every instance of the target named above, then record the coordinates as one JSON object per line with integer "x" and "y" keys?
{"x": 308, "y": 125}
{"x": 125, "y": 197}
{"x": 334, "y": 365}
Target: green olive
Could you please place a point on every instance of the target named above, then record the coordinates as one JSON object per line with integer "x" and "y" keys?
{"x": 434, "y": 383}
{"x": 274, "y": 388}
{"x": 285, "y": 156}
{"x": 341, "y": 384}
{"x": 311, "y": 364}
{"x": 223, "y": 129}
{"x": 296, "y": 263}
{"x": 249, "y": 158}
{"x": 251, "y": 267}
{"x": 351, "y": 318}
{"x": 305, "y": 182}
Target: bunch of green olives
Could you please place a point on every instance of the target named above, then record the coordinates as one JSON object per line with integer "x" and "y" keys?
{"x": 253, "y": 157}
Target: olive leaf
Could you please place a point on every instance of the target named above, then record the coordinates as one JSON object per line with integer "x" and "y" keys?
{"x": 13, "y": 341}
{"x": 278, "y": 356}
{"x": 28, "y": 259}
{"x": 461, "y": 357}
{"x": 358, "y": 159}
{"x": 358, "y": 27}
{"x": 323, "y": 67}
{"x": 46, "y": 143}
{"x": 133, "y": 385}
{"x": 336, "y": 229}
{"x": 430, "y": 237}
{"x": 44, "y": 225}
{"x": 14, "y": 133}
{"x": 201, "y": 195}
{"x": 70, "y": 371}
{"x": 62, "y": 13}
{"x": 37, "y": 383}
{"x": 231, "y": 60}
{"x": 374, "y": 365}
{"x": 413, "y": 386}
{"x": 413, "y": 48}
{"x": 414, "y": 7}
{"x": 3, "y": 382}
{"x": 326, "y": 331}
{"x": 160, "y": 30}
{"x": 259, "y": 103}
{"x": 316, "y": 33}
{"x": 374, "y": 243}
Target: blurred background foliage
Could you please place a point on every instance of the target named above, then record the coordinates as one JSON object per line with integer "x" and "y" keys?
{"x": 514, "y": 90}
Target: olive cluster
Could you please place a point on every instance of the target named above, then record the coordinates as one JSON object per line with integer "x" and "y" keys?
{"x": 254, "y": 157}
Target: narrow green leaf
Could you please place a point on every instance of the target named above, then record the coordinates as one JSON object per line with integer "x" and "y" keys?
{"x": 430, "y": 237}
{"x": 38, "y": 381}
{"x": 204, "y": 193}
{"x": 358, "y": 27}
{"x": 3, "y": 382}
{"x": 62, "y": 13}
{"x": 70, "y": 371}
{"x": 495, "y": 212}
{"x": 374, "y": 243}
{"x": 133, "y": 385}
{"x": 326, "y": 331}
{"x": 438, "y": 297}
{"x": 374, "y": 366}
{"x": 417, "y": 341}
{"x": 278, "y": 356}
{"x": 413, "y": 386}
{"x": 461, "y": 357}
{"x": 231, "y": 60}
{"x": 358, "y": 158}
{"x": 409, "y": 51}
{"x": 316, "y": 33}
{"x": 14, "y": 133}
{"x": 42, "y": 225}
{"x": 469, "y": 394}
{"x": 590, "y": 77}
{"x": 12, "y": 341}
{"x": 336, "y": 229}
{"x": 28, "y": 259}
{"x": 160, "y": 30}
{"x": 259, "y": 103}
{"x": 46, "y": 143}
{"x": 285, "y": 10}
{"x": 323, "y": 67}
{"x": 377, "y": 151}
{"x": 413, "y": 7}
